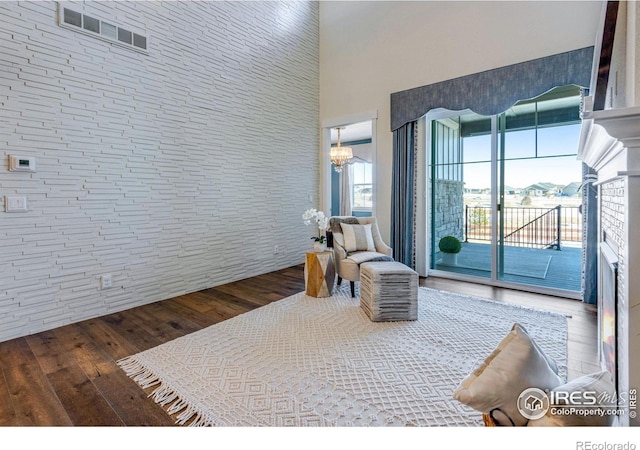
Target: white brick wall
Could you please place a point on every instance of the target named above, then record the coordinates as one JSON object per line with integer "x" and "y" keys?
{"x": 173, "y": 171}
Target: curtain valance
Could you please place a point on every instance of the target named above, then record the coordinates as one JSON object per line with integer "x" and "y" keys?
{"x": 494, "y": 91}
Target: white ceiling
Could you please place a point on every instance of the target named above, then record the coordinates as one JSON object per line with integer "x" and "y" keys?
{"x": 353, "y": 132}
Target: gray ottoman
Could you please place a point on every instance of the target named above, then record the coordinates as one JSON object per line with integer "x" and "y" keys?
{"x": 388, "y": 291}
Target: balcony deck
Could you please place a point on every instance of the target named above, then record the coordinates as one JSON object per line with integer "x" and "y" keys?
{"x": 548, "y": 268}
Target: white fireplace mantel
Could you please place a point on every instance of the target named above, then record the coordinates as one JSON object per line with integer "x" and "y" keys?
{"x": 610, "y": 142}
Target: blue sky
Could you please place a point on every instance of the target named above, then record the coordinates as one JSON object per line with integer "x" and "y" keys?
{"x": 520, "y": 173}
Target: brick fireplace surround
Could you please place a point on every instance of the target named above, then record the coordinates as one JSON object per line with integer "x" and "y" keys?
{"x": 610, "y": 144}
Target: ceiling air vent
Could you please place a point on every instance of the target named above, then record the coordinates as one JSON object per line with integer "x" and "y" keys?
{"x": 91, "y": 26}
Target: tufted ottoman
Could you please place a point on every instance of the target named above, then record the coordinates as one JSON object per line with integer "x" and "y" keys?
{"x": 388, "y": 291}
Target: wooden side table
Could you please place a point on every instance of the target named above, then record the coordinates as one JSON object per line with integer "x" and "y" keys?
{"x": 319, "y": 274}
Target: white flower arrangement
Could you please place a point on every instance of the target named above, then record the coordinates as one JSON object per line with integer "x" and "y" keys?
{"x": 320, "y": 219}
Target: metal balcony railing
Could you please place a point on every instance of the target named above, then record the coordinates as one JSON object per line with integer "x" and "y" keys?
{"x": 526, "y": 227}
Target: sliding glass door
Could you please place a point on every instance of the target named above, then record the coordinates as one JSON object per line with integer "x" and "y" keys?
{"x": 507, "y": 188}
{"x": 540, "y": 229}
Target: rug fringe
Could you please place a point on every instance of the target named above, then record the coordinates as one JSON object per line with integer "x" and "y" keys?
{"x": 164, "y": 394}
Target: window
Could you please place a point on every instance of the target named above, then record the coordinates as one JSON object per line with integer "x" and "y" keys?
{"x": 449, "y": 157}
{"x": 362, "y": 194}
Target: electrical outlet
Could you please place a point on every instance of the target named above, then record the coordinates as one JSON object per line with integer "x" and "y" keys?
{"x": 276, "y": 249}
{"x": 106, "y": 281}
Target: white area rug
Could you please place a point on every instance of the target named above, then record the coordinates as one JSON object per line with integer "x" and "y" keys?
{"x": 305, "y": 361}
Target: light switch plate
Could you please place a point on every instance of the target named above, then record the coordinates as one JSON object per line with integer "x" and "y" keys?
{"x": 14, "y": 203}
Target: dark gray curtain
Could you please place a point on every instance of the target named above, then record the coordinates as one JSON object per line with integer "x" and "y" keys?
{"x": 494, "y": 91}
{"x": 589, "y": 237}
{"x": 403, "y": 193}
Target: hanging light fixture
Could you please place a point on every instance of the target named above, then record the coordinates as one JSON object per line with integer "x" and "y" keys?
{"x": 340, "y": 155}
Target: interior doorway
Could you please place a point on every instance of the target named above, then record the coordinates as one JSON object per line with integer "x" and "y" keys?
{"x": 351, "y": 191}
{"x": 352, "y": 187}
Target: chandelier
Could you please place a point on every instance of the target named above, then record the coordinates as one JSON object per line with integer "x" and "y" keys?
{"x": 340, "y": 155}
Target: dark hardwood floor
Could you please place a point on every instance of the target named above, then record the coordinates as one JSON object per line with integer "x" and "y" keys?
{"x": 69, "y": 377}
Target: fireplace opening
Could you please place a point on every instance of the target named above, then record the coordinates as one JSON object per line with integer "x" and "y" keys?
{"x": 607, "y": 308}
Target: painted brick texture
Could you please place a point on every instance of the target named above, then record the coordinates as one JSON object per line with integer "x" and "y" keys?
{"x": 612, "y": 217}
{"x": 173, "y": 171}
{"x": 612, "y": 207}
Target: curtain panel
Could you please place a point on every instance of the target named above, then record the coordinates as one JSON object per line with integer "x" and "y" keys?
{"x": 494, "y": 91}
{"x": 590, "y": 238}
{"x": 403, "y": 194}
{"x": 345, "y": 190}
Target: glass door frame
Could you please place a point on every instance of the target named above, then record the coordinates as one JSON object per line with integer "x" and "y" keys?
{"x": 497, "y": 193}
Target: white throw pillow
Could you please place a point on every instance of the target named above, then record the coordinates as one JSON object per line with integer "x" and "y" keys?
{"x": 580, "y": 412}
{"x": 515, "y": 365}
{"x": 358, "y": 238}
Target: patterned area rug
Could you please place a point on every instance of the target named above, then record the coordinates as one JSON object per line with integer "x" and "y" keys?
{"x": 305, "y": 361}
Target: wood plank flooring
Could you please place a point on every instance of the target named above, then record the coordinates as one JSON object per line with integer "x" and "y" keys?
{"x": 68, "y": 376}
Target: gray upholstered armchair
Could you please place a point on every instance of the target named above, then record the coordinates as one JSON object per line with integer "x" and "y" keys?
{"x": 356, "y": 240}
